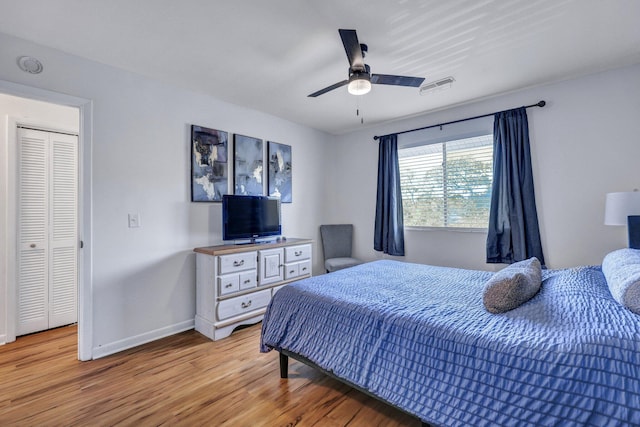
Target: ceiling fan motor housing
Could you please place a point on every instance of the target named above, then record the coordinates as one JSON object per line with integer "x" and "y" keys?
{"x": 356, "y": 74}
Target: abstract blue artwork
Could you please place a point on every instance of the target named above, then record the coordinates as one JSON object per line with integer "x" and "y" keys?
{"x": 280, "y": 171}
{"x": 248, "y": 166}
{"x": 208, "y": 164}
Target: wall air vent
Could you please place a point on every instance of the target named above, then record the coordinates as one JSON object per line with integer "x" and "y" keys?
{"x": 437, "y": 86}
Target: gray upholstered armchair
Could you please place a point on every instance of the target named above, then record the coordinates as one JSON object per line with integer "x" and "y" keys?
{"x": 336, "y": 246}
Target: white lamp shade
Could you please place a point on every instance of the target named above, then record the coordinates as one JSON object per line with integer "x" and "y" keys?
{"x": 620, "y": 205}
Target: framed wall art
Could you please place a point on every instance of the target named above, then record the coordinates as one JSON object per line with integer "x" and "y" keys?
{"x": 280, "y": 171}
{"x": 248, "y": 166}
{"x": 209, "y": 165}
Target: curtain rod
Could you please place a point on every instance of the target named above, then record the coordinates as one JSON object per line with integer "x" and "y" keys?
{"x": 539, "y": 104}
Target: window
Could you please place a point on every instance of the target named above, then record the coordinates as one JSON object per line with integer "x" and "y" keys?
{"x": 447, "y": 184}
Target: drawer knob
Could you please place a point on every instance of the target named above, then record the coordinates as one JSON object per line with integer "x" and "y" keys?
{"x": 298, "y": 253}
{"x": 246, "y": 304}
{"x": 33, "y": 245}
{"x": 228, "y": 285}
{"x": 238, "y": 263}
{"x": 247, "y": 281}
{"x": 304, "y": 268}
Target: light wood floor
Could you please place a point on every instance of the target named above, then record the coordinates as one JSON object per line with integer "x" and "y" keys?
{"x": 184, "y": 379}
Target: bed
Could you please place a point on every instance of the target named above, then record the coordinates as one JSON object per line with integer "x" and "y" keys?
{"x": 419, "y": 338}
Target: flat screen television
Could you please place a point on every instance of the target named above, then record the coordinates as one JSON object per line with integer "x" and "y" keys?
{"x": 250, "y": 217}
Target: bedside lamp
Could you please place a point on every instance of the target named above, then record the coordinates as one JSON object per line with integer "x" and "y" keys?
{"x": 624, "y": 209}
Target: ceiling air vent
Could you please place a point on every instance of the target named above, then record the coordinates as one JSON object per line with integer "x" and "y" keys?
{"x": 30, "y": 64}
{"x": 438, "y": 85}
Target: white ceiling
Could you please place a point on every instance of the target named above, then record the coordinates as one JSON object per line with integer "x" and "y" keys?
{"x": 270, "y": 54}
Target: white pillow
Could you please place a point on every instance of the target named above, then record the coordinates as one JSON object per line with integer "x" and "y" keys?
{"x": 621, "y": 268}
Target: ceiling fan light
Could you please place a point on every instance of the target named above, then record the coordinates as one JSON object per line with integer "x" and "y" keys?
{"x": 359, "y": 86}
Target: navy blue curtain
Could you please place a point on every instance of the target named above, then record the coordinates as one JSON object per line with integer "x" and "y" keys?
{"x": 389, "y": 229}
{"x": 514, "y": 234}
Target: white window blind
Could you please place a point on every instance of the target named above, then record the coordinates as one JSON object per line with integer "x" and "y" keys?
{"x": 447, "y": 184}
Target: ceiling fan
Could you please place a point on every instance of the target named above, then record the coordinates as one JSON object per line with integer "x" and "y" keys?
{"x": 360, "y": 77}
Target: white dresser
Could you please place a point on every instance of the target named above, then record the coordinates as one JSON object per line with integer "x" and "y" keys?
{"x": 234, "y": 283}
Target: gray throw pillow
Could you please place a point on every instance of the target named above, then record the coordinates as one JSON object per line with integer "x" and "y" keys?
{"x": 512, "y": 286}
{"x": 621, "y": 268}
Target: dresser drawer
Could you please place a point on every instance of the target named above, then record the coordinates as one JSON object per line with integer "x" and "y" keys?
{"x": 296, "y": 269}
{"x": 248, "y": 279}
{"x": 243, "y": 304}
{"x": 304, "y": 268}
{"x": 297, "y": 253}
{"x": 228, "y": 284}
{"x": 237, "y": 262}
{"x": 291, "y": 271}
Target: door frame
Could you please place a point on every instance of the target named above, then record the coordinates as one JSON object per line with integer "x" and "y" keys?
{"x": 85, "y": 209}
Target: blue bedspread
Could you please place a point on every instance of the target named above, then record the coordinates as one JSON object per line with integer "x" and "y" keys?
{"x": 419, "y": 337}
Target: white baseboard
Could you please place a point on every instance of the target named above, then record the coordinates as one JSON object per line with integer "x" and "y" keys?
{"x": 125, "y": 344}
{"x": 3, "y": 339}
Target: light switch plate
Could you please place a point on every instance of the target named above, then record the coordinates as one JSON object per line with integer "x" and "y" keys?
{"x": 134, "y": 220}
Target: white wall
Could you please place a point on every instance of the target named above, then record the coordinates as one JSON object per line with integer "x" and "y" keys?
{"x": 144, "y": 278}
{"x": 26, "y": 111}
{"x": 585, "y": 143}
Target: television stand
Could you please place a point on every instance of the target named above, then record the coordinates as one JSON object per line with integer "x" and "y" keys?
{"x": 235, "y": 282}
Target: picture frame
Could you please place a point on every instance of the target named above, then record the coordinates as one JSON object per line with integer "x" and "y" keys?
{"x": 209, "y": 164}
{"x": 248, "y": 169}
{"x": 280, "y": 171}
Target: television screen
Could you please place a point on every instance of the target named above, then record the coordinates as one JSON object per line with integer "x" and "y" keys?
{"x": 250, "y": 217}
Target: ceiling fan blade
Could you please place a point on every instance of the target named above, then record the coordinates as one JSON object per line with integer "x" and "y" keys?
{"x": 352, "y": 49}
{"x": 386, "y": 79}
{"x": 328, "y": 88}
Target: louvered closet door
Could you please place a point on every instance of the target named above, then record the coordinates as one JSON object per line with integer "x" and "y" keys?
{"x": 33, "y": 282}
{"x": 47, "y": 224}
{"x": 63, "y": 241}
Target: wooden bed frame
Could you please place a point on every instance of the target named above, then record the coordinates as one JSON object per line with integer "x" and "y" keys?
{"x": 284, "y": 373}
